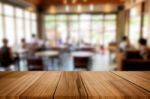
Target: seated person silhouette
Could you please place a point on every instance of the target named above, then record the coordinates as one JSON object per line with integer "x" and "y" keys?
{"x": 6, "y": 58}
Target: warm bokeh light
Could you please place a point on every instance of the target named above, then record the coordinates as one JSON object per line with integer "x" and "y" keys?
{"x": 52, "y": 9}
{"x": 79, "y": 8}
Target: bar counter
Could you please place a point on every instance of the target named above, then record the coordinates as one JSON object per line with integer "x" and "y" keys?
{"x": 75, "y": 85}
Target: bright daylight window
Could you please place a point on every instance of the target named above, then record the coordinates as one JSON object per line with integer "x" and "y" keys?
{"x": 87, "y": 28}
{"x": 9, "y": 24}
{"x": 135, "y": 21}
{"x": 19, "y": 25}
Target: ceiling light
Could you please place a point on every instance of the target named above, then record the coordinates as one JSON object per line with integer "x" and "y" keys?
{"x": 65, "y": 1}
{"x": 52, "y": 9}
{"x": 74, "y": 1}
{"x": 91, "y": 7}
{"x": 79, "y": 8}
{"x": 84, "y": 0}
{"x": 67, "y": 8}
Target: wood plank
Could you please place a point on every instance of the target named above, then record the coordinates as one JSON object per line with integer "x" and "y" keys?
{"x": 73, "y": 85}
{"x": 141, "y": 79}
{"x": 16, "y": 83}
{"x": 105, "y": 85}
{"x": 44, "y": 87}
{"x": 4, "y": 74}
{"x": 70, "y": 87}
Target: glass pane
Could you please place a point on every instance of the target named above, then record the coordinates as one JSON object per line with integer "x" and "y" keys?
{"x": 85, "y": 28}
{"x": 34, "y": 27}
{"x": 10, "y": 32}
{"x": 97, "y": 32}
{"x": 146, "y": 27}
{"x": 1, "y": 31}
{"x": 50, "y": 18}
{"x": 33, "y": 16}
{"x": 0, "y": 8}
{"x": 110, "y": 25}
{"x": 73, "y": 25}
{"x": 19, "y": 12}
{"x": 134, "y": 33}
{"x": 74, "y": 31}
{"x": 8, "y": 10}
{"x": 73, "y": 17}
{"x": 19, "y": 30}
{"x": 97, "y": 17}
{"x": 50, "y": 28}
{"x": 61, "y": 17}
{"x": 109, "y": 30}
{"x": 97, "y": 37}
{"x": 28, "y": 30}
{"x": 62, "y": 31}
{"x": 27, "y": 14}
{"x": 97, "y": 25}
{"x": 85, "y": 17}
{"x": 110, "y": 17}
{"x": 85, "y": 36}
{"x": 85, "y": 25}
{"x": 109, "y": 37}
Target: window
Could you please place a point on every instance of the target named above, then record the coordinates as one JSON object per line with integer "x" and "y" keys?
{"x": 1, "y": 31}
{"x": 18, "y": 24}
{"x": 146, "y": 28}
{"x": 10, "y": 30}
{"x": 135, "y": 22}
{"x": 19, "y": 13}
{"x": 27, "y": 15}
{"x": 8, "y": 10}
{"x": 0, "y": 8}
{"x": 97, "y": 29}
{"x": 28, "y": 30}
{"x": 61, "y": 31}
{"x": 109, "y": 31}
{"x": 19, "y": 29}
{"x": 50, "y": 28}
{"x": 84, "y": 28}
{"x": 87, "y": 28}
{"x": 34, "y": 23}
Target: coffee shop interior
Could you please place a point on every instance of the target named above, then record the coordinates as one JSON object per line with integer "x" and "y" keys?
{"x": 74, "y": 35}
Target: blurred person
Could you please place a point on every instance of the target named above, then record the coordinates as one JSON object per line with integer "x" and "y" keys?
{"x": 144, "y": 50}
{"x": 125, "y": 44}
{"x": 6, "y": 56}
{"x": 34, "y": 40}
{"x": 33, "y": 45}
{"x": 24, "y": 45}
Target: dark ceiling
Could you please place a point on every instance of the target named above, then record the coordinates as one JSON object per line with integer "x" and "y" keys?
{"x": 43, "y": 4}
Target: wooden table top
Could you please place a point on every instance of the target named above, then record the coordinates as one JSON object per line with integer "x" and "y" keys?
{"x": 82, "y": 54}
{"x": 47, "y": 53}
{"x": 74, "y": 85}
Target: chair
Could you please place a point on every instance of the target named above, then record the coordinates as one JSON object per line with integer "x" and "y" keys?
{"x": 132, "y": 61}
{"x": 35, "y": 64}
{"x": 81, "y": 62}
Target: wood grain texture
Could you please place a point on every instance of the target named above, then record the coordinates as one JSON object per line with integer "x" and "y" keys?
{"x": 70, "y": 87}
{"x": 44, "y": 87}
{"x": 141, "y": 79}
{"x": 74, "y": 85}
{"x": 105, "y": 85}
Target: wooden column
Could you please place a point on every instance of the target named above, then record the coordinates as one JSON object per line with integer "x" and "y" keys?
{"x": 40, "y": 25}
{"x": 142, "y": 19}
{"x": 120, "y": 25}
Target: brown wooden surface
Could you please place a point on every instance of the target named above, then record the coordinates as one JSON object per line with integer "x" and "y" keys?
{"x": 74, "y": 85}
{"x": 141, "y": 79}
